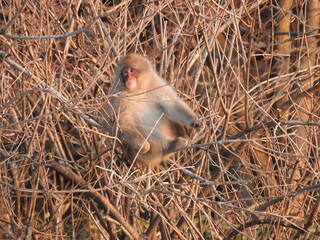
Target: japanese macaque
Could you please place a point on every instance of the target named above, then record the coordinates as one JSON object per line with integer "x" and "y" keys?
{"x": 145, "y": 113}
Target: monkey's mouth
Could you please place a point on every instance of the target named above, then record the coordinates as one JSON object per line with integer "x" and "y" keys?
{"x": 131, "y": 84}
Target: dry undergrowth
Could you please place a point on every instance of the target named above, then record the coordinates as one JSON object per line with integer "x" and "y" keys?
{"x": 249, "y": 69}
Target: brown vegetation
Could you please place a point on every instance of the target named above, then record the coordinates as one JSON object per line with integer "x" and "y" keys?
{"x": 249, "y": 69}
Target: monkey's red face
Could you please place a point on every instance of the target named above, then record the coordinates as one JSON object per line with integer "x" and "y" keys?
{"x": 130, "y": 77}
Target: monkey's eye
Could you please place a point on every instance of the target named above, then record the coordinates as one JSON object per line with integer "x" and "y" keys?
{"x": 128, "y": 70}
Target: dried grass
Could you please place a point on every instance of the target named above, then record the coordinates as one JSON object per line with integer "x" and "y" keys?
{"x": 252, "y": 174}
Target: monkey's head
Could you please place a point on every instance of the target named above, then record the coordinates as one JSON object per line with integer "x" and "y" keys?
{"x": 134, "y": 73}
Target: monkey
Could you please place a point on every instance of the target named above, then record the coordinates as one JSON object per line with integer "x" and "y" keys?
{"x": 145, "y": 112}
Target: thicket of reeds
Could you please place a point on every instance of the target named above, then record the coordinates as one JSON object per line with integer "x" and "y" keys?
{"x": 249, "y": 69}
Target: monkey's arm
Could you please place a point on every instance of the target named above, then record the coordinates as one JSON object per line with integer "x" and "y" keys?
{"x": 179, "y": 111}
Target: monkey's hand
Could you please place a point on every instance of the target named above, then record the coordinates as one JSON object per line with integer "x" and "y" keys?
{"x": 145, "y": 148}
{"x": 197, "y": 125}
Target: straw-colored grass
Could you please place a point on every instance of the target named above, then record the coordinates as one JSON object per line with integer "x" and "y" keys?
{"x": 249, "y": 69}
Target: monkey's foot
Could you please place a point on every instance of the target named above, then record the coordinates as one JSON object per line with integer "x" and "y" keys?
{"x": 179, "y": 142}
{"x": 145, "y": 148}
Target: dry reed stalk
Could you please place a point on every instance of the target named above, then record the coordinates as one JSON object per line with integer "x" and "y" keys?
{"x": 253, "y": 172}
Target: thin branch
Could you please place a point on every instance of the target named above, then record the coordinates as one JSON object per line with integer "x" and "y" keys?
{"x": 260, "y": 222}
{"x": 53, "y": 36}
{"x": 3, "y": 30}
{"x": 54, "y": 92}
{"x": 104, "y": 201}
